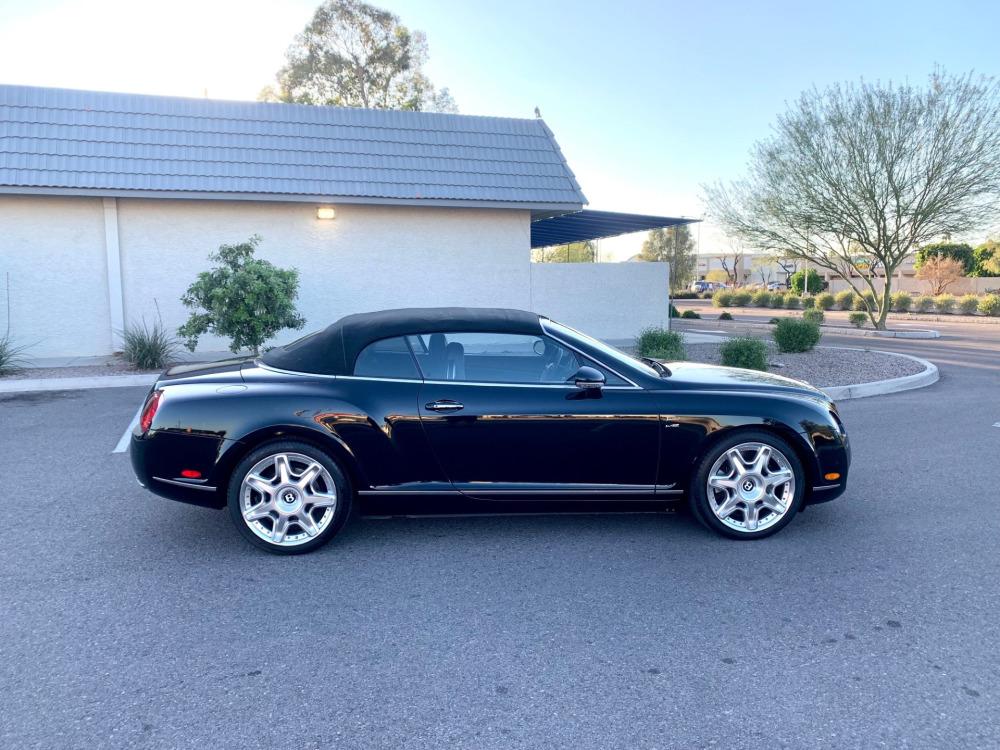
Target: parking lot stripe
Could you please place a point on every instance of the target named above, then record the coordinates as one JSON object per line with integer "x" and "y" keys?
{"x": 123, "y": 440}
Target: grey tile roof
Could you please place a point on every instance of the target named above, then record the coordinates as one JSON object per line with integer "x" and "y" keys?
{"x": 84, "y": 142}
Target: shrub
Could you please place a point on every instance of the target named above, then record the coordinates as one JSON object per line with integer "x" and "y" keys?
{"x": 706, "y": 295}
{"x": 725, "y": 316}
{"x": 858, "y": 319}
{"x": 777, "y": 299}
{"x": 243, "y": 298}
{"x": 741, "y": 299}
{"x": 796, "y": 335}
{"x": 944, "y": 303}
{"x": 774, "y": 321}
{"x": 148, "y": 348}
{"x": 989, "y": 304}
{"x": 865, "y": 301}
{"x": 825, "y": 301}
{"x": 845, "y": 299}
{"x": 923, "y": 304}
{"x": 673, "y": 311}
{"x": 12, "y": 360}
{"x": 761, "y": 299}
{"x": 722, "y": 299}
{"x": 808, "y": 302}
{"x": 684, "y": 294}
{"x": 813, "y": 316}
{"x": 792, "y": 301}
{"x": 901, "y": 301}
{"x": 659, "y": 343}
{"x": 690, "y": 314}
{"x": 748, "y": 353}
{"x": 967, "y": 304}
{"x": 798, "y": 281}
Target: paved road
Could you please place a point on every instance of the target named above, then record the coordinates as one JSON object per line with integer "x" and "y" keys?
{"x": 129, "y": 621}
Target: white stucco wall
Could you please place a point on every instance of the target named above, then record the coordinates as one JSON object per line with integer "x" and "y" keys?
{"x": 609, "y": 300}
{"x": 53, "y": 249}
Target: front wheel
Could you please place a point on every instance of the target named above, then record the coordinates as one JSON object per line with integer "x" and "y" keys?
{"x": 288, "y": 497}
{"x": 748, "y": 486}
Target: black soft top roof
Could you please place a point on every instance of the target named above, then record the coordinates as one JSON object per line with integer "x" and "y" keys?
{"x": 333, "y": 350}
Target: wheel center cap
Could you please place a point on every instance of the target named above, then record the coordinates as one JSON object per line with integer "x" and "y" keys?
{"x": 289, "y": 499}
{"x": 750, "y": 488}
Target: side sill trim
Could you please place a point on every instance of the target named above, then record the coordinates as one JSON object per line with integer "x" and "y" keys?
{"x": 409, "y": 492}
{"x": 825, "y": 487}
{"x": 189, "y": 485}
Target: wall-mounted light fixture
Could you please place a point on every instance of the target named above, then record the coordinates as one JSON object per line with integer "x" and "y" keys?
{"x": 326, "y": 212}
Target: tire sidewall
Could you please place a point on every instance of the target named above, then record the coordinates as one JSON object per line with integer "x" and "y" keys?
{"x": 699, "y": 494}
{"x": 344, "y": 495}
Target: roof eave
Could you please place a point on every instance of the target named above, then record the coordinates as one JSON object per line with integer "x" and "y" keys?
{"x": 286, "y": 198}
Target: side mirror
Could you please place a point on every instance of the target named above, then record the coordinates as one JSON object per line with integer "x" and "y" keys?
{"x": 588, "y": 378}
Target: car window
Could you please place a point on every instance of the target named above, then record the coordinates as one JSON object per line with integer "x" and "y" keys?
{"x": 388, "y": 358}
{"x": 498, "y": 358}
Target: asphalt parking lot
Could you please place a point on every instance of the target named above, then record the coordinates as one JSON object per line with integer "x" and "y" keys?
{"x": 870, "y": 622}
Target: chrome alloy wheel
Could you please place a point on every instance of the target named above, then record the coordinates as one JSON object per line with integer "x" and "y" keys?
{"x": 288, "y": 499}
{"x": 751, "y": 487}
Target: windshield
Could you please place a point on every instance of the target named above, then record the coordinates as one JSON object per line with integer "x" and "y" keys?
{"x": 613, "y": 356}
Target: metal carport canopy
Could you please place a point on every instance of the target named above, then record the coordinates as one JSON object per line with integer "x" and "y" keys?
{"x": 594, "y": 225}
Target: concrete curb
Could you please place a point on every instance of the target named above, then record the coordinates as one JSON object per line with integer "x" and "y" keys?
{"x": 929, "y": 376}
{"x": 76, "y": 384}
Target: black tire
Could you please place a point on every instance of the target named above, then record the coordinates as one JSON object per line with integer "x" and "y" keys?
{"x": 341, "y": 511}
{"x": 698, "y": 494}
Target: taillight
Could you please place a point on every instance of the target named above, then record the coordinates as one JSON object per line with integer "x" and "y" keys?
{"x": 149, "y": 411}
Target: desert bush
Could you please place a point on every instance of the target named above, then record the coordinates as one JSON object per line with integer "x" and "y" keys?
{"x": 706, "y": 295}
{"x": 825, "y": 301}
{"x": 858, "y": 319}
{"x": 901, "y": 301}
{"x": 741, "y": 299}
{"x": 989, "y": 304}
{"x": 923, "y": 304}
{"x": 761, "y": 299}
{"x": 12, "y": 358}
{"x": 777, "y": 300}
{"x": 968, "y": 303}
{"x": 845, "y": 299}
{"x": 148, "y": 347}
{"x": 808, "y": 302}
{"x": 684, "y": 294}
{"x": 748, "y": 353}
{"x": 725, "y": 316}
{"x": 792, "y": 301}
{"x": 798, "y": 281}
{"x": 722, "y": 299}
{"x": 659, "y": 343}
{"x": 813, "y": 316}
{"x": 944, "y": 303}
{"x": 796, "y": 335}
{"x": 864, "y": 302}
{"x": 690, "y": 315}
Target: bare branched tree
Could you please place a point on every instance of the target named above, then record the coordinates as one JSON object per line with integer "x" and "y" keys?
{"x": 857, "y": 176}
{"x": 940, "y": 272}
{"x": 732, "y": 263}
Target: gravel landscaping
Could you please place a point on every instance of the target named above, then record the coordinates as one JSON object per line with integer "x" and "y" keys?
{"x": 82, "y": 371}
{"x": 822, "y": 366}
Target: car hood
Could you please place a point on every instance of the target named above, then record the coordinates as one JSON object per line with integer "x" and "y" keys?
{"x": 701, "y": 376}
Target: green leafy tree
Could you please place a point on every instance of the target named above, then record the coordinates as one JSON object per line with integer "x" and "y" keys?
{"x": 243, "y": 298}
{"x": 986, "y": 259}
{"x": 957, "y": 250}
{"x": 574, "y": 252}
{"x": 352, "y": 54}
{"x": 673, "y": 245}
{"x": 798, "y": 282}
{"x": 855, "y": 177}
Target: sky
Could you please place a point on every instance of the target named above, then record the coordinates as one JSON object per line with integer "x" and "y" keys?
{"x": 648, "y": 100}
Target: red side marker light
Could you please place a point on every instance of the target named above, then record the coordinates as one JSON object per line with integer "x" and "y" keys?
{"x": 149, "y": 411}
{"x": 190, "y": 474}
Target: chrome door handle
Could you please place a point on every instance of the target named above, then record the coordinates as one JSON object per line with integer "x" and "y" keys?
{"x": 444, "y": 405}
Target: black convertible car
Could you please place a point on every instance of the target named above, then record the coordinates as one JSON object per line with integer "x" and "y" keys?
{"x": 480, "y": 410}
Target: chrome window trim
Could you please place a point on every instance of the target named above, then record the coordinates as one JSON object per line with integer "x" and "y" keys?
{"x": 588, "y": 357}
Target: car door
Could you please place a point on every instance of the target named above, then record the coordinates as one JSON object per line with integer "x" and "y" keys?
{"x": 505, "y": 420}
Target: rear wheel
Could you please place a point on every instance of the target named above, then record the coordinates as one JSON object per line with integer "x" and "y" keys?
{"x": 289, "y": 497}
{"x": 748, "y": 486}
